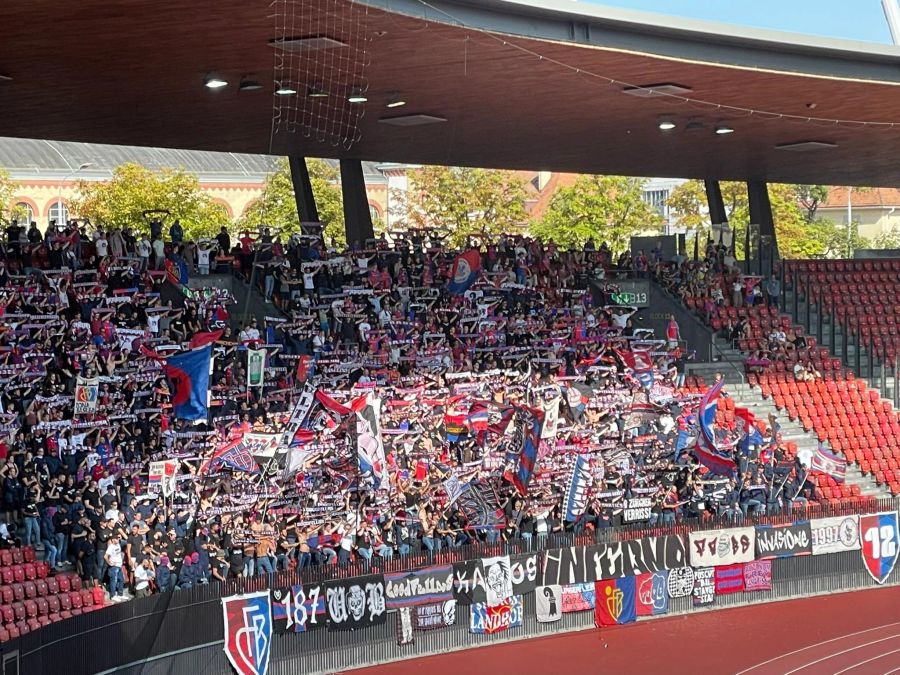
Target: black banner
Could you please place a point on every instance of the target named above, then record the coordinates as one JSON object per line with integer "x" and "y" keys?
{"x": 468, "y": 582}
{"x": 704, "y": 586}
{"x": 783, "y": 541}
{"x": 297, "y": 609}
{"x": 355, "y": 603}
{"x": 637, "y": 509}
{"x": 579, "y": 565}
{"x": 425, "y": 586}
{"x": 524, "y": 572}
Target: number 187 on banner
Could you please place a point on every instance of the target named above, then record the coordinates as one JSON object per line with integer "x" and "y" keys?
{"x": 878, "y": 538}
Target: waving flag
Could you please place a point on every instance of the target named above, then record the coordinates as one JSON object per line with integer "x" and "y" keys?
{"x": 826, "y": 462}
{"x": 465, "y": 271}
{"x": 706, "y": 449}
{"x": 235, "y": 454}
{"x": 369, "y": 444}
{"x": 204, "y": 338}
{"x": 578, "y": 395}
{"x": 188, "y": 374}
{"x": 577, "y": 496}
{"x": 746, "y": 426}
{"x": 248, "y": 632}
{"x": 528, "y": 426}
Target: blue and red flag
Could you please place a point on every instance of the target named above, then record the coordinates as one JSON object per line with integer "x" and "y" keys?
{"x": 531, "y": 424}
{"x": 234, "y": 454}
{"x": 188, "y": 374}
{"x": 614, "y": 602}
{"x": 248, "y": 632}
{"x": 464, "y": 272}
{"x": 878, "y": 537}
{"x": 706, "y": 450}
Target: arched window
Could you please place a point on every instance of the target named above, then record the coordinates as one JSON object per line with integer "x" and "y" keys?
{"x": 23, "y": 213}
{"x": 59, "y": 213}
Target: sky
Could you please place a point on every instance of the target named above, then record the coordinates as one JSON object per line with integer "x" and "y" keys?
{"x": 849, "y": 19}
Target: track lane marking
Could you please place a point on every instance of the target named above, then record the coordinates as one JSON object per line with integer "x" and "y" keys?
{"x": 862, "y": 663}
{"x": 843, "y": 651}
{"x": 817, "y": 644}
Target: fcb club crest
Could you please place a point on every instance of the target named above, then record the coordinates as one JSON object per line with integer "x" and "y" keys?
{"x": 878, "y": 538}
{"x": 248, "y": 632}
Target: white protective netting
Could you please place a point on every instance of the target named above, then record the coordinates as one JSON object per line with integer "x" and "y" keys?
{"x": 320, "y": 53}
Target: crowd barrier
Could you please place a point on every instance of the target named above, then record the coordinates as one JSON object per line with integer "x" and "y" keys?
{"x": 184, "y": 631}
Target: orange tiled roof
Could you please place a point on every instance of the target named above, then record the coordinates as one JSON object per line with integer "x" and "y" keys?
{"x": 862, "y": 197}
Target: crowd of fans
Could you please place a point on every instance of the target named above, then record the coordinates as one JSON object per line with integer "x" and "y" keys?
{"x": 445, "y": 374}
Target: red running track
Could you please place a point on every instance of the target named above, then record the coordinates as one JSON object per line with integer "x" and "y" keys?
{"x": 856, "y": 633}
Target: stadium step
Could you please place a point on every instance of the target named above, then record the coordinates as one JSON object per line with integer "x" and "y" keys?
{"x": 746, "y": 396}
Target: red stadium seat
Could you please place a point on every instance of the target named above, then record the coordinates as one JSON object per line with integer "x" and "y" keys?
{"x": 64, "y": 585}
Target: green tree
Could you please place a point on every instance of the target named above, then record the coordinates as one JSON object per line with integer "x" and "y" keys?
{"x": 7, "y": 189}
{"x": 463, "y": 202}
{"x": 810, "y": 198}
{"x": 133, "y": 189}
{"x": 602, "y": 208}
{"x": 800, "y": 231}
{"x": 277, "y": 207}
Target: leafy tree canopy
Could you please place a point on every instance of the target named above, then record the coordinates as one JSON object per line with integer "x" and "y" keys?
{"x": 463, "y": 203}
{"x": 602, "y": 208}
{"x": 133, "y": 189}
{"x": 277, "y": 207}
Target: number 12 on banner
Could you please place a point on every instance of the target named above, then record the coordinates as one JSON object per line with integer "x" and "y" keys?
{"x": 879, "y": 536}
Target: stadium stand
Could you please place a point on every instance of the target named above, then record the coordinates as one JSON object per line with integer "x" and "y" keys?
{"x": 491, "y": 374}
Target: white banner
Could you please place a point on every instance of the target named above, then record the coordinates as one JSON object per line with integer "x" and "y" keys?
{"x": 722, "y": 547}
{"x": 548, "y": 603}
{"x": 551, "y": 418}
{"x": 834, "y": 535}
{"x": 498, "y": 579}
{"x": 86, "y": 390}
{"x": 256, "y": 367}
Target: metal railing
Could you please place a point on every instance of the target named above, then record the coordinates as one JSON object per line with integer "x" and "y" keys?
{"x": 182, "y": 631}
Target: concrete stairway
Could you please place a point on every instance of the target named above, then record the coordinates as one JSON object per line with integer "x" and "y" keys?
{"x": 729, "y": 362}
{"x": 751, "y": 398}
{"x": 821, "y": 325}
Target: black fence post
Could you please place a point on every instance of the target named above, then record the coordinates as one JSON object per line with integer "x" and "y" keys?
{"x": 858, "y": 343}
{"x": 897, "y": 381}
{"x": 782, "y": 299}
{"x": 833, "y": 342}
{"x": 845, "y": 333}
{"x": 871, "y": 354}
{"x": 795, "y": 284}
{"x": 819, "y": 304}
{"x": 808, "y": 297}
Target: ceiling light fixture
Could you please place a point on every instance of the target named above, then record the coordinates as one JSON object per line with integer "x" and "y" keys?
{"x": 285, "y": 90}
{"x": 309, "y": 43}
{"x": 249, "y": 84}
{"x": 357, "y": 96}
{"x": 806, "y": 146}
{"x": 723, "y": 129}
{"x": 658, "y": 89}
{"x": 215, "y": 82}
{"x": 413, "y": 120}
{"x": 394, "y": 101}
{"x": 666, "y": 124}
{"x": 316, "y": 91}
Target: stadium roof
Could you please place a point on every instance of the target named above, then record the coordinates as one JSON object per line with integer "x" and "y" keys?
{"x": 520, "y": 85}
{"x": 29, "y": 158}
